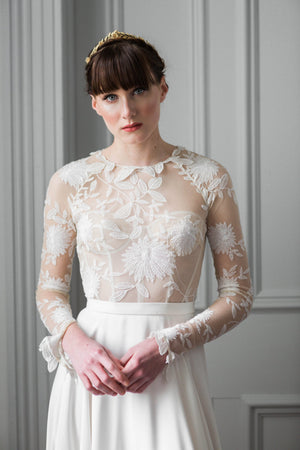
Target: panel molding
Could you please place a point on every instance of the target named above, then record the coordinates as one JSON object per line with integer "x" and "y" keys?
{"x": 8, "y": 408}
{"x": 270, "y": 299}
{"x": 114, "y": 19}
{"x": 116, "y": 14}
{"x": 200, "y": 74}
{"x": 257, "y": 406}
{"x": 277, "y": 299}
{"x": 253, "y": 97}
{"x": 34, "y": 142}
{"x": 200, "y": 109}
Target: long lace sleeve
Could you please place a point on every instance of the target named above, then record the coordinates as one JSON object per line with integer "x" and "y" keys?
{"x": 52, "y": 295}
{"x": 232, "y": 272}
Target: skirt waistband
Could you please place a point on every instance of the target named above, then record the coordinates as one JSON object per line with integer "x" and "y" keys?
{"x": 148, "y": 308}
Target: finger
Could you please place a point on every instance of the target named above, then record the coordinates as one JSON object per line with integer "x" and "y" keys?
{"x": 89, "y": 387}
{"x": 108, "y": 381}
{"x": 143, "y": 387}
{"x": 138, "y": 378}
{"x": 115, "y": 360}
{"x": 134, "y": 372}
{"x": 98, "y": 385}
{"x": 111, "y": 367}
{"x": 139, "y": 386}
{"x": 131, "y": 368}
{"x": 124, "y": 360}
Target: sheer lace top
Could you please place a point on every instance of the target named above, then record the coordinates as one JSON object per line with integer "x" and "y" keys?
{"x": 140, "y": 235}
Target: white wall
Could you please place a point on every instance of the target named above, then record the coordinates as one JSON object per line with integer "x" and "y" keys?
{"x": 34, "y": 142}
{"x": 234, "y": 72}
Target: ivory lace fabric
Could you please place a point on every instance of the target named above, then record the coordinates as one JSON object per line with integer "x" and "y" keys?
{"x": 140, "y": 234}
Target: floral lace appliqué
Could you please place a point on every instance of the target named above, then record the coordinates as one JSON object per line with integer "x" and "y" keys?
{"x": 148, "y": 259}
{"x": 184, "y": 235}
{"x": 74, "y": 173}
{"x": 58, "y": 241}
{"x": 140, "y": 234}
{"x": 223, "y": 240}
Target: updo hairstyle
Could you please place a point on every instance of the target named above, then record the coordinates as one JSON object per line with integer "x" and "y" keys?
{"x": 123, "y": 63}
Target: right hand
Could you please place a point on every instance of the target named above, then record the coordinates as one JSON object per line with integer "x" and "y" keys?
{"x": 99, "y": 370}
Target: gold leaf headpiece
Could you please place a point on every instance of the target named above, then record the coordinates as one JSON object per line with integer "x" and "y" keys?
{"x": 110, "y": 37}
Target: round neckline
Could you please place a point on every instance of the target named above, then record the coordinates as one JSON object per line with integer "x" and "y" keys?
{"x": 136, "y": 167}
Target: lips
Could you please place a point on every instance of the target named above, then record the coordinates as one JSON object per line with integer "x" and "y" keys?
{"x": 132, "y": 126}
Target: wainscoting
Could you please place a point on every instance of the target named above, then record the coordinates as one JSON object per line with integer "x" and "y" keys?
{"x": 233, "y": 69}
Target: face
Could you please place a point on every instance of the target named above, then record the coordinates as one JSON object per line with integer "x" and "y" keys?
{"x": 132, "y": 116}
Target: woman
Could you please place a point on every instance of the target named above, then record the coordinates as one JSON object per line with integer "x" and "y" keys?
{"x": 132, "y": 371}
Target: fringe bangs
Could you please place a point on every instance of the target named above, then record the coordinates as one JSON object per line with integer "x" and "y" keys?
{"x": 124, "y": 66}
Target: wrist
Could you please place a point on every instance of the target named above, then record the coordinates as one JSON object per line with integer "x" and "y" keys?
{"x": 71, "y": 336}
{"x": 154, "y": 343}
{"x": 162, "y": 355}
{"x": 163, "y": 345}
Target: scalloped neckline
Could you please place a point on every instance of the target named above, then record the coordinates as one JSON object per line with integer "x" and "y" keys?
{"x": 137, "y": 167}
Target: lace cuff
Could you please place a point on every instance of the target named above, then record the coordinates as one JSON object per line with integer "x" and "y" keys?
{"x": 53, "y": 353}
{"x": 163, "y": 343}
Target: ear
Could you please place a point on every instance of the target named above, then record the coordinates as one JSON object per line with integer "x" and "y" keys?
{"x": 95, "y": 105}
{"x": 164, "y": 89}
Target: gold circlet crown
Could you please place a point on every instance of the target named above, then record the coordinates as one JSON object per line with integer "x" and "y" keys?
{"x": 110, "y": 37}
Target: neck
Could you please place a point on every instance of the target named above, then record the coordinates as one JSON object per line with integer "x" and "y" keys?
{"x": 143, "y": 154}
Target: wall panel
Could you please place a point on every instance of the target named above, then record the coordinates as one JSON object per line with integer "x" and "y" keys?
{"x": 270, "y": 422}
{"x": 182, "y": 42}
{"x": 279, "y": 143}
{"x": 34, "y": 147}
{"x": 233, "y": 69}
{"x": 8, "y": 408}
{"x": 173, "y": 39}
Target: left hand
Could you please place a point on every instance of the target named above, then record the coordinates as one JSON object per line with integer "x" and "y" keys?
{"x": 142, "y": 363}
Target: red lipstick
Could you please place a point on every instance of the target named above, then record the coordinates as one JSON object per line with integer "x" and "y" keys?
{"x": 132, "y": 126}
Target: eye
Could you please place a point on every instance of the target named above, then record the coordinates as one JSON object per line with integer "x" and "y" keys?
{"x": 110, "y": 98}
{"x": 139, "y": 91}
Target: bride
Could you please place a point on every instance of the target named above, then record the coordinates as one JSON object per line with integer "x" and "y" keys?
{"x": 131, "y": 367}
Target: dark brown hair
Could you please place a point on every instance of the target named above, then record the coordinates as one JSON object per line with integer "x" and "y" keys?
{"x": 123, "y": 63}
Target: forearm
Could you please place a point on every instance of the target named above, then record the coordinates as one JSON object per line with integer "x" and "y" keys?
{"x": 223, "y": 315}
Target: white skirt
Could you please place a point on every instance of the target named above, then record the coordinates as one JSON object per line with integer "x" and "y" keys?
{"x": 174, "y": 412}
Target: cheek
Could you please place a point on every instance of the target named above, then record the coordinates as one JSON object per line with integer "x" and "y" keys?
{"x": 152, "y": 109}
{"x": 110, "y": 118}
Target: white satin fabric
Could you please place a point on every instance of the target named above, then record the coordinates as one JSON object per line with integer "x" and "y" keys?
{"x": 174, "y": 412}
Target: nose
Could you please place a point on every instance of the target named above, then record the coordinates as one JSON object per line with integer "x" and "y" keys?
{"x": 128, "y": 107}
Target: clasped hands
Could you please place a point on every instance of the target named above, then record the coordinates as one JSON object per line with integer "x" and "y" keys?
{"x": 102, "y": 373}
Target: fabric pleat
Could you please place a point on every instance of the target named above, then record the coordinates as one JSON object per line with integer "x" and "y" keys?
{"x": 174, "y": 412}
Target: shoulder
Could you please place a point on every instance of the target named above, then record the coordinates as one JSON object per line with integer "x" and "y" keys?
{"x": 203, "y": 170}
{"x": 73, "y": 174}
{"x": 210, "y": 178}
{"x": 66, "y": 181}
